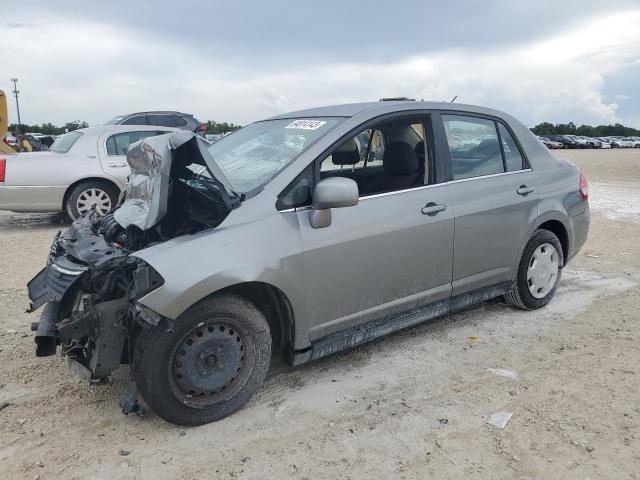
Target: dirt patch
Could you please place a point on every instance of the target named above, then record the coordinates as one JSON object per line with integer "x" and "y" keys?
{"x": 412, "y": 405}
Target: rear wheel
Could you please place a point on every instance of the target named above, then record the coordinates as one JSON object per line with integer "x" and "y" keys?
{"x": 539, "y": 272}
{"x": 87, "y": 194}
{"x": 209, "y": 366}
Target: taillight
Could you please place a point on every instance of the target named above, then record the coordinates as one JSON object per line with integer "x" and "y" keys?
{"x": 202, "y": 128}
{"x": 3, "y": 166}
{"x": 583, "y": 186}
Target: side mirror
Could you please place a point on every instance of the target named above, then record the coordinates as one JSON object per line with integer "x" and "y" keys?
{"x": 334, "y": 192}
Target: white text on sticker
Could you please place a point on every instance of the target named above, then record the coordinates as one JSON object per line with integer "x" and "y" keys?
{"x": 306, "y": 124}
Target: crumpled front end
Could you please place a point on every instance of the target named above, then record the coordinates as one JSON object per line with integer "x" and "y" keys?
{"x": 91, "y": 283}
{"x": 90, "y": 286}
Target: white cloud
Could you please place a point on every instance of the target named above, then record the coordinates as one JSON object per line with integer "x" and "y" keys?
{"x": 94, "y": 71}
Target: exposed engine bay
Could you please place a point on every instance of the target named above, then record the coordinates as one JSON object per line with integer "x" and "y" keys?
{"x": 91, "y": 284}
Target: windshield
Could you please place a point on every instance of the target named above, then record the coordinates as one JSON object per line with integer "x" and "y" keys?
{"x": 254, "y": 155}
{"x": 64, "y": 143}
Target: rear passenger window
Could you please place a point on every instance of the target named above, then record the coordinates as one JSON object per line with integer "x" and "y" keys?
{"x": 161, "y": 120}
{"x": 512, "y": 157}
{"x": 136, "y": 120}
{"x": 473, "y": 146}
{"x": 117, "y": 144}
{"x": 178, "y": 121}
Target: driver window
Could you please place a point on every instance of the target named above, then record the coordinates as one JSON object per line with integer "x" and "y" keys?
{"x": 387, "y": 157}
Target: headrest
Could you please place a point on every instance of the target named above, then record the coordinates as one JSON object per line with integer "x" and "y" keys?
{"x": 489, "y": 147}
{"x": 399, "y": 159}
{"x": 346, "y": 154}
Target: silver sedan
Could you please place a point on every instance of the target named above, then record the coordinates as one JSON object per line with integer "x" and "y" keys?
{"x": 82, "y": 168}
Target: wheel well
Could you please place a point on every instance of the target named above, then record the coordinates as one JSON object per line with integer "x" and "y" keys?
{"x": 82, "y": 180}
{"x": 557, "y": 228}
{"x": 275, "y": 306}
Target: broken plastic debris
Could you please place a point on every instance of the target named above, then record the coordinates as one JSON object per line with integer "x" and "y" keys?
{"x": 504, "y": 373}
{"x": 473, "y": 338}
{"x": 500, "y": 419}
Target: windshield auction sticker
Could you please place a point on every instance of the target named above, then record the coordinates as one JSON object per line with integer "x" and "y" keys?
{"x": 306, "y": 124}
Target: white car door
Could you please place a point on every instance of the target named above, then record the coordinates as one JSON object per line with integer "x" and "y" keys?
{"x": 112, "y": 150}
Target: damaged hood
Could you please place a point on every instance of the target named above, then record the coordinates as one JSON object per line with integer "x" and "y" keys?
{"x": 151, "y": 161}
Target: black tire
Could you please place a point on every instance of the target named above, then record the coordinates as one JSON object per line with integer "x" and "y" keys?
{"x": 520, "y": 296}
{"x": 157, "y": 353}
{"x": 71, "y": 204}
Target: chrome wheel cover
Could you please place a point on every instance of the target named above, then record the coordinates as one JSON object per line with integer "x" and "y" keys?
{"x": 93, "y": 196}
{"x": 542, "y": 272}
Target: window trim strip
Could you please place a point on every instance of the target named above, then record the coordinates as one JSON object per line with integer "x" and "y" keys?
{"x": 421, "y": 187}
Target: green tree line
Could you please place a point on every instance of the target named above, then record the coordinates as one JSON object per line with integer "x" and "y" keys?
{"x": 47, "y": 128}
{"x": 224, "y": 127}
{"x": 570, "y": 128}
{"x": 213, "y": 127}
{"x": 51, "y": 129}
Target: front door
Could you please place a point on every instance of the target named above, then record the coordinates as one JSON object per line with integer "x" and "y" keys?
{"x": 391, "y": 252}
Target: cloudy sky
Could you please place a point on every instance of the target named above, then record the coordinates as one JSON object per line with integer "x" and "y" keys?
{"x": 243, "y": 60}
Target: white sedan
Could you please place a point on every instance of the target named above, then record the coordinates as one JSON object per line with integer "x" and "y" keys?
{"x": 82, "y": 168}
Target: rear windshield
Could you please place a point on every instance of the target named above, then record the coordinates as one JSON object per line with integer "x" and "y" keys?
{"x": 64, "y": 143}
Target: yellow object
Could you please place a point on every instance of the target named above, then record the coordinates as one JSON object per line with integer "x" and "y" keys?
{"x": 4, "y": 125}
{"x": 473, "y": 338}
{"x": 25, "y": 145}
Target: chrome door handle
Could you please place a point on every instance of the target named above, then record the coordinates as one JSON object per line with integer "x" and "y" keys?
{"x": 433, "y": 208}
{"x": 524, "y": 190}
{"x": 117, "y": 165}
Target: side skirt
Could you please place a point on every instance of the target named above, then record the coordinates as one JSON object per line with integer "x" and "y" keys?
{"x": 367, "y": 332}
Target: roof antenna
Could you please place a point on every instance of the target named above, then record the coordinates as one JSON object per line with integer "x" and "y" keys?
{"x": 453, "y": 99}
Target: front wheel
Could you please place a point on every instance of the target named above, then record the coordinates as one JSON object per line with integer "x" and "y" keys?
{"x": 539, "y": 272}
{"x": 209, "y": 366}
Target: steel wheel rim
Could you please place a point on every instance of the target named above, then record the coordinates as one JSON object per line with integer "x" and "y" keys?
{"x": 208, "y": 364}
{"x": 93, "y": 196}
{"x": 542, "y": 272}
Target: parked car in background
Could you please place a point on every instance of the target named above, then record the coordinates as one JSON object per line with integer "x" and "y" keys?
{"x": 635, "y": 141}
{"x": 591, "y": 142}
{"x": 10, "y": 140}
{"x": 183, "y": 121}
{"x": 43, "y": 138}
{"x": 620, "y": 142}
{"x": 551, "y": 143}
{"x": 604, "y": 142}
{"x": 566, "y": 140}
{"x": 580, "y": 142}
{"x": 82, "y": 168}
{"x": 286, "y": 239}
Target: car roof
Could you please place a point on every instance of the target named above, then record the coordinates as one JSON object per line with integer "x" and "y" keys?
{"x": 124, "y": 128}
{"x": 173, "y": 112}
{"x": 354, "y": 109}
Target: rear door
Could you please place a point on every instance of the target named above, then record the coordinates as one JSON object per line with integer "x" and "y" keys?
{"x": 494, "y": 197}
{"x": 112, "y": 149}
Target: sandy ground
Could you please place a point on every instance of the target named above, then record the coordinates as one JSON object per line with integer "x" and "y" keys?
{"x": 413, "y": 405}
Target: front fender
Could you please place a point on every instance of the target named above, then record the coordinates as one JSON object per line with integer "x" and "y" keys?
{"x": 195, "y": 266}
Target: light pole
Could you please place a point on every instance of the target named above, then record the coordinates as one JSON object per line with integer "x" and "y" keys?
{"x": 15, "y": 93}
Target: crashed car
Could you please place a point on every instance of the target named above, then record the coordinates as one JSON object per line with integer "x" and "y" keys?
{"x": 300, "y": 236}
